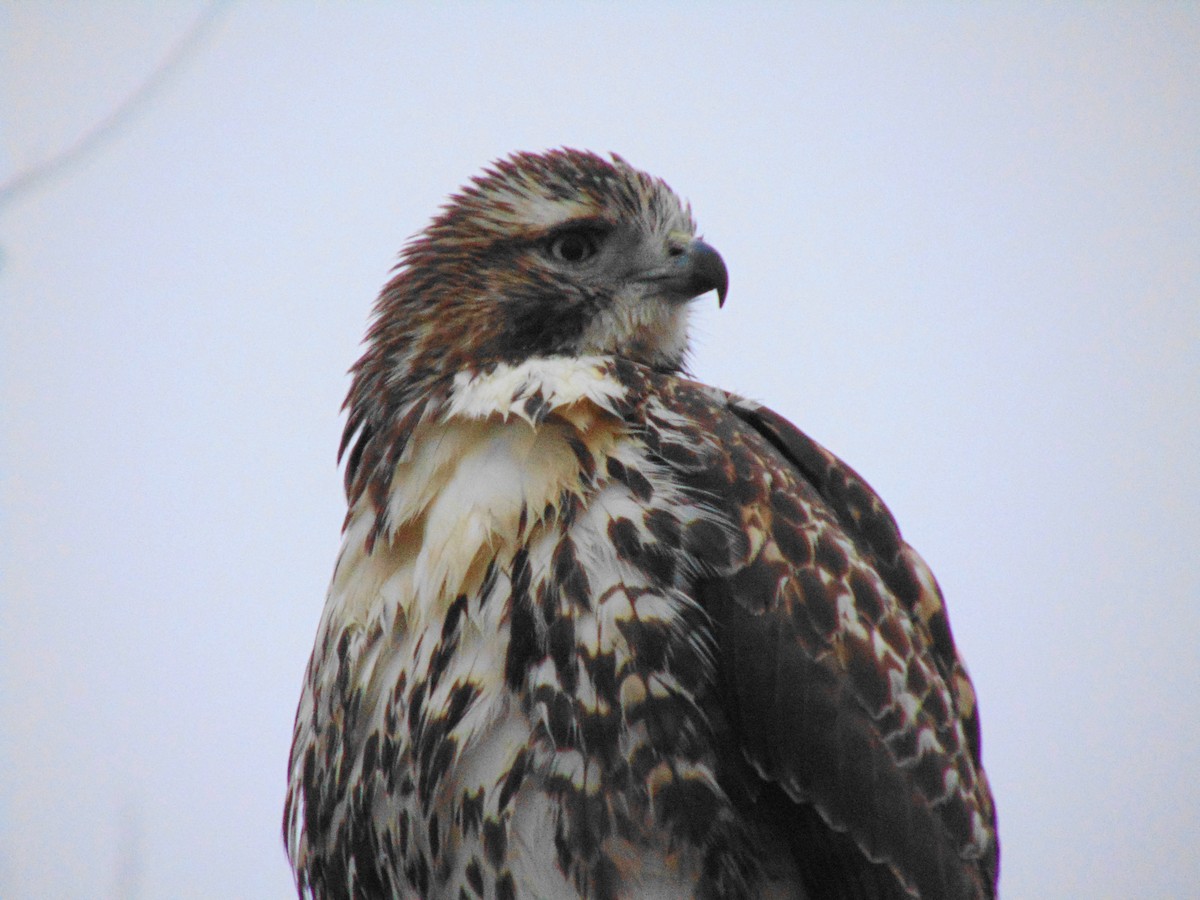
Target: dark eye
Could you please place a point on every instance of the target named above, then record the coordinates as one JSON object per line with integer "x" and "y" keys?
{"x": 575, "y": 246}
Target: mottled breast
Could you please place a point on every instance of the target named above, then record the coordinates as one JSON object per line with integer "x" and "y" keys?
{"x": 510, "y": 687}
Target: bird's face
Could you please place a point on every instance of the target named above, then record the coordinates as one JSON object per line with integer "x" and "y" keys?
{"x": 563, "y": 253}
{"x": 627, "y": 280}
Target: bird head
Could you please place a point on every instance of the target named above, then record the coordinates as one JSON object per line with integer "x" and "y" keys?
{"x": 560, "y": 253}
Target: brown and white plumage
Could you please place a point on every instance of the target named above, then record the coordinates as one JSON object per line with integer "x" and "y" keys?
{"x": 599, "y": 630}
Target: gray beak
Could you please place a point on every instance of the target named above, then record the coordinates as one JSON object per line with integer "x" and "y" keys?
{"x": 702, "y": 270}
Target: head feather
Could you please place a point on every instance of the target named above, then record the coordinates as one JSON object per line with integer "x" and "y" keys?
{"x": 479, "y": 285}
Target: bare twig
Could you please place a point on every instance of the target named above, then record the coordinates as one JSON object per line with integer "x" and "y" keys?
{"x": 108, "y": 127}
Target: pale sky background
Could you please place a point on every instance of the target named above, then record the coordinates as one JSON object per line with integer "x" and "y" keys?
{"x": 964, "y": 242}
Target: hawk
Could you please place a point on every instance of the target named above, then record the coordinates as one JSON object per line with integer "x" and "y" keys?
{"x": 599, "y": 630}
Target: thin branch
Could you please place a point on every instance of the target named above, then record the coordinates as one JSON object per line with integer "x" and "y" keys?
{"x": 56, "y": 166}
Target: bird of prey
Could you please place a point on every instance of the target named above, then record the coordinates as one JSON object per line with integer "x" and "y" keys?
{"x": 597, "y": 629}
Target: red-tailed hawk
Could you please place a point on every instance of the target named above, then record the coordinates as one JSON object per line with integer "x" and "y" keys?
{"x": 599, "y": 630}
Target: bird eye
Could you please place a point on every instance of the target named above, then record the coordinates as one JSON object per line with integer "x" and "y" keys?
{"x": 575, "y": 246}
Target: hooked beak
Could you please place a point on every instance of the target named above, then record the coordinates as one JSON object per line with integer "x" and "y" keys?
{"x": 708, "y": 271}
{"x": 695, "y": 269}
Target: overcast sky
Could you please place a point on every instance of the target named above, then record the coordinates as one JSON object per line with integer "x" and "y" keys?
{"x": 964, "y": 245}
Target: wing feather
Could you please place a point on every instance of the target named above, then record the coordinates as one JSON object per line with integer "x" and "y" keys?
{"x": 838, "y": 670}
